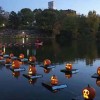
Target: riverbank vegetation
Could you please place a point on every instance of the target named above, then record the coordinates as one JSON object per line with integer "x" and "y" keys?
{"x": 62, "y": 24}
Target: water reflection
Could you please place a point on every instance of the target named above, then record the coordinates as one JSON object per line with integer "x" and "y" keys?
{"x": 46, "y": 70}
{"x": 32, "y": 81}
{"x": 68, "y": 75}
{"x": 16, "y": 74}
{"x": 98, "y": 82}
{"x": 79, "y": 53}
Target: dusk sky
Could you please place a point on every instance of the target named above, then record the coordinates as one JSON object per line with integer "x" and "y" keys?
{"x": 80, "y": 6}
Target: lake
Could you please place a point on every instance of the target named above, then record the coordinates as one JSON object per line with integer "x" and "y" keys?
{"x": 84, "y": 56}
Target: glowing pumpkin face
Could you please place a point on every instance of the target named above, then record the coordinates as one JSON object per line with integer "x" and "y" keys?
{"x": 21, "y": 56}
{"x": 32, "y": 59}
{"x": 8, "y": 60}
{"x": 69, "y": 67}
{"x": 98, "y": 71}
{"x": 54, "y": 80}
{"x": 47, "y": 62}
{"x": 16, "y": 74}
{"x": 32, "y": 70}
{"x": 15, "y": 64}
{"x": 11, "y": 55}
{"x": 88, "y": 93}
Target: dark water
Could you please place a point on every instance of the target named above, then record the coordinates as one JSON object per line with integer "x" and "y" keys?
{"x": 84, "y": 56}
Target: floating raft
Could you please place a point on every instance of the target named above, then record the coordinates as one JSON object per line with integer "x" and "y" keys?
{"x": 33, "y": 63}
{"x": 13, "y": 58}
{"x": 2, "y": 60}
{"x": 16, "y": 70}
{"x": 5, "y": 56}
{"x": 8, "y": 64}
{"x": 73, "y": 71}
{"x": 54, "y": 87}
{"x": 95, "y": 76}
{"x": 48, "y": 67}
{"x": 25, "y": 59}
{"x": 33, "y": 76}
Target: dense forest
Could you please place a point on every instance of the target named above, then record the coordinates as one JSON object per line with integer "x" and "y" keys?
{"x": 62, "y": 24}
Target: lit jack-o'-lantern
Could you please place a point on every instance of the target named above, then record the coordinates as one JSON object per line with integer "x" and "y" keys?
{"x": 1, "y": 52}
{"x": 15, "y": 64}
{"x": 54, "y": 80}
{"x": 88, "y": 93}
{"x": 16, "y": 74}
{"x": 46, "y": 70}
{"x": 32, "y": 59}
{"x": 98, "y": 71}
{"x": 68, "y": 75}
{"x": 8, "y": 60}
{"x": 47, "y": 62}
{"x": 69, "y": 67}
{"x": 21, "y": 56}
{"x": 1, "y": 58}
{"x": 11, "y": 55}
{"x": 98, "y": 82}
{"x": 32, "y": 70}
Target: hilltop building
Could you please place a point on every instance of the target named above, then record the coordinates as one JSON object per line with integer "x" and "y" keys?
{"x": 51, "y": 5}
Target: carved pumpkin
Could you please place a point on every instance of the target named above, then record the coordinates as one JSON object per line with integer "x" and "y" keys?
{"x": 98, "y": 82}
{"x": 46, "y": 70}
{"x": 1, "y": 58}
{"x": 1, "y": 52}
{"x": 15, "y": 64}
{"x": 88, "y": 93}
{"x": 21, "y": 56}
{"x": 32, "y": 59}
{"x": 11, "y": 55}
{"x": 98, "y": 71}
{"x": 69, "y": 67}
{"x": 54, "y": 80}
{"x": 32, "y": 70}
{"x": 68, "y": 75}
{"x": 8, "y": 60}
{"x": 16, "y": 74}
{"x": 46, "y": 62}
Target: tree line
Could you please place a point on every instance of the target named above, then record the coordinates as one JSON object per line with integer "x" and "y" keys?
{"x": 63, "y": 24}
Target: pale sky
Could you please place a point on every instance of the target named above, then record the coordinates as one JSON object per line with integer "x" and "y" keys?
{"x": 80, "y": 6}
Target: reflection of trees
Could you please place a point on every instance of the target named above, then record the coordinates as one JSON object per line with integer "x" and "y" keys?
{"x": 88, "y": 51}
{"x": 58, "y": 54}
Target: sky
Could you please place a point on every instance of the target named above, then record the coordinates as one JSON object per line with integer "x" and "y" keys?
{"x": 80, "y": 6}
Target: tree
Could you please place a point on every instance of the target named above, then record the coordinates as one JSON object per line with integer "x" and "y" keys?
{"x": 13, "y": 20}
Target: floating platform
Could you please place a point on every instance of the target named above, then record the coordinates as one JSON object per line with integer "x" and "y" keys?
{"x": 2, "y": 60}
{"x": 13, "y": 58}
{"x": 95, "y": 76}
{"x": 5, "y": 56}
{"x": 8, "y": 64}
{"x": 16, "y": 70}
{"x": 48, "y": 67}
{"x": 73, "y": 71}
{"x": 54, "y": 88}
{"x": 32, "y": 76}
{"x": 24, "y": 60}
